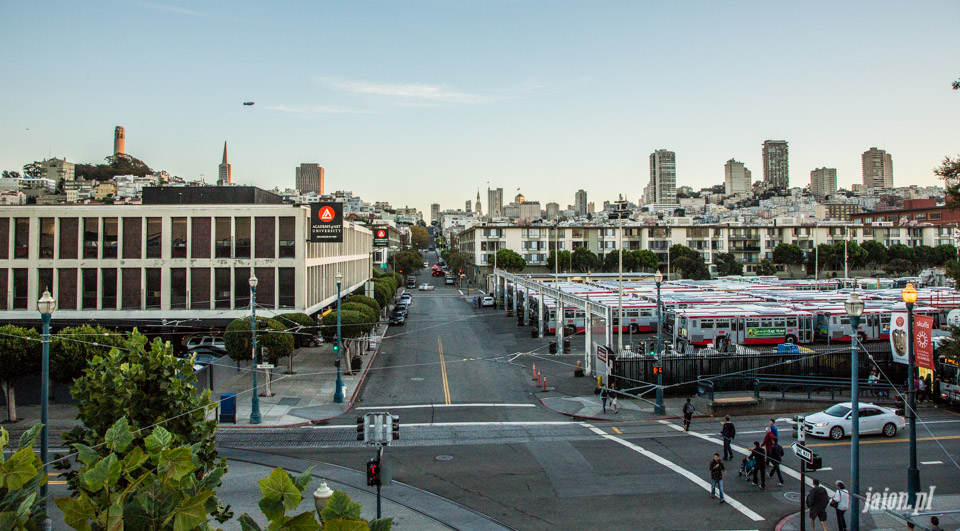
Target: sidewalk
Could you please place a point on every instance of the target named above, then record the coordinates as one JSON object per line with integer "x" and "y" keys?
{"x": 884, "y": 521}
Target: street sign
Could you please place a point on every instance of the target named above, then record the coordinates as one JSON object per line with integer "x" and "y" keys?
{"x": 265, "y": 365}
{"x": 380, "y": 238}
{"x": 326, "y": 222}
{"x": 601, "y": 353}
{"x": 804, "y": 453}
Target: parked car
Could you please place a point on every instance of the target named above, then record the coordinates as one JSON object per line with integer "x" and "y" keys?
{"x": 426, "y": 287}
{"x": 406, "y": 297}
{"x": 449, "y": 280}
{"x": 205, "y": 341}
{"x": 398, "y": 317}
{"x": 835, "y": 421}
{"x": 486, "y": 302}
{"x": 205, "y": 355}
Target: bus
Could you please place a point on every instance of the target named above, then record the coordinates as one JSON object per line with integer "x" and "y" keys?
{"x": 748, "y": 325}
{"x": 948, "y": 378}
{"x": 833, "y": 323}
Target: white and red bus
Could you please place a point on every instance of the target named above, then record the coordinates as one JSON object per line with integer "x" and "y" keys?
{"x": 748, "y": 324}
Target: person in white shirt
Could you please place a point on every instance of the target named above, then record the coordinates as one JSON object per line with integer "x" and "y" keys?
{"x": 841, "y": 502}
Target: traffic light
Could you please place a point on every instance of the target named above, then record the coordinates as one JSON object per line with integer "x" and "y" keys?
{"x": 395, "y": 423}
{"x": 373, "y": 472}
{"x": 657, "y": 369}
{"x": 336, "y": 343}
{"x": 359, "y": 428}
{"x": 816, "y": 464}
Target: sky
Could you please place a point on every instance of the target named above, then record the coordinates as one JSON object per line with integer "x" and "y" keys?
{"x": 427, "y": 101}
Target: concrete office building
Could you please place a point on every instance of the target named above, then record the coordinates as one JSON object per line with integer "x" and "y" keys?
{"x": 435, "y": 212}
{"x": 736, "y": 178}
{"x": 662, "y": 188}
{"x": 776, "y": 164}
{"x": 310, "y": 178}
{"x": 119, "y": 141}
{"x": 224, "y": 171}
{"x": 495, "y": 203}
{"x": 553, "y": 211}
{"x": 877, "y": 169}
{"x": 823, "y": 182}
{"x": 580, "y": 203}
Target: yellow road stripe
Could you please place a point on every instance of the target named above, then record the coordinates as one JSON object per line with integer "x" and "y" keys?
{"x": 56, "y": 482}
{"x": 883, "y": 441}
{"x": 614, "y": 428}
{"x": 443, "y": 373}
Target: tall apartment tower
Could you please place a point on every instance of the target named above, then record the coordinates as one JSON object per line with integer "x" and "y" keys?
{"x": 495, "y": 203}
{"x": 877, "y": 169}
{"x": 435, "y": 212}
{"x": 662, "y": 188}
{"x": 310, "y": 178}
{"x": 580, "y": 203}
{"x": 119, "y": 141}
{"x": 823, "y": 182}
{"x": 225, "y": 173}
{"x": 776, "y": 164}
{"x": 467, "y": 205}
{"x": 736, "y": 178}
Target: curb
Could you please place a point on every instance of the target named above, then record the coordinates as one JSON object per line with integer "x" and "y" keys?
{"x": 573, "y": 415}
{"x": 785, "y": 520}
{"x": 673, "y": 417}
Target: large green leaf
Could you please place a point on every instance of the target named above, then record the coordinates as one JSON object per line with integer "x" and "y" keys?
{"x": 77, "y": 513}
{"x": 339, "y": 507}
{"x": 191, "y": 512}
{"x": 279, "y": 487}
{"x": 175, "y": 463}
{"x": 272, "y": 509}
{"x": 302, "y": 522}
{"x": 249, "y": 524}
{"x": 86, "y": 455}
{"x": 345, "y": 525}
{"x": 134, "y": 459}
{"x": 23, "y": 511}
{"x": 381, "y": 524}
{"x": 158, "y": 440}
{"x": 118, "y": 437}
{"x": 4, "y": 441}
{"x": 18, "y": 469}
{"x": 29, "y": 437}
{"x": 105, "y": 473}
{"x": 8, "y": 520}
{"x": 303, "y": 479}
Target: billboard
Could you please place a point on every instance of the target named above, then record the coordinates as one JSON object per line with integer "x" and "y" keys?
{"x": 898, "y": 337}
{"x": 326, "y": 222}
{"x": 381, "y": 238}
{"x": 923, "y": 341}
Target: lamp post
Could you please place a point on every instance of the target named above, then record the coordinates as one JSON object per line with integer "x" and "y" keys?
{"x": 47, "y": 304}
{"x": 913, "y": 473}
{"x": 854, "y": 308}
{"x": 255, "y": 417}
{"x": 338, "y": 394}
{"x": 659, "y": 409}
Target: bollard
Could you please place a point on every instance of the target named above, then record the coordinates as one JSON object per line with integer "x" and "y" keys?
{"x": 578, "y": 372}
{"x": 544, "y": 383}
{"x": 534, "y": 371}
{"x": 538, "y": 378}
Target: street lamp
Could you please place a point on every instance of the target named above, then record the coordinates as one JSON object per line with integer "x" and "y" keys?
{"x": 659, "y": 409}
{"x": 338, "y": 394}
{"x": 47, "y": 304}
{"x": 854, "y": 308}
{"x": 255, "y": 417}
{"x": 913, "y": 473}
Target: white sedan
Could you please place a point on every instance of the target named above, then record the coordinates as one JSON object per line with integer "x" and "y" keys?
{"x": 426, "y": 287}
{"x": 835, "y": 422}
{"x": 487, "y": 302}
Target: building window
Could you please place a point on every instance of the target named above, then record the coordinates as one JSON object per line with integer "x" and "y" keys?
{"x": 222, "y": 239}
{"x": 20, "y": 295}
{"x": 242, "y": 240}
{"x": 178, "y": 288}
{"x": 46, "y": 237}
{"x": 288, "y": 231}
{"x": 154, "y": 238}
{"x": 153, "y": 284}
{"x": 131, "y": 284}
{"x": 265, "y": 238}
{"x": 241, "y": 285}
{"x": 265, "y": 287}
{"x": 4, "y": 239}
{"x": 178, "y": 238}
{"x": 66, "y": 289}
{"x": 108, "y": 288}
{"x": 91, "y": 237}
{"x": 110, "y": 237}
{"x": 89, "y": 287}
{"x": 3, "y": 288}
{"x": 44, "y": 281}
{"x": 200, "y": 238}
{"x": 21, "y": 238}
{"x": 935, "y": 215}
{"x": 222, "y": 287}
{"x": 287, "y": 287}
{"x": 132, "y": 239}
{"x": 200, "y": 288}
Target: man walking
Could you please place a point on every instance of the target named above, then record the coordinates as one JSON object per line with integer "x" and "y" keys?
{"x": 817, "y": 502}
{"x": 728, "y": 431}
{"x": 603, "y": 398}
{"x": 759, "y": 457}
{"x": 717, "y": 471}
{"x": 775, "y": 456}
{"x": 773, "y": 429}
{"x": 687, "y": 415}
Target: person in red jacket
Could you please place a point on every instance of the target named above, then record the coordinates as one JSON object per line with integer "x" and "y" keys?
{"x": 768, "y": 441}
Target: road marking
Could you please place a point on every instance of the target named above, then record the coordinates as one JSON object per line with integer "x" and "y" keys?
{"x": 697, "y": 480}
{"x": 460, "y": 292}
{"x": 455, "y": 424}
{"x": 825, "y": 468}
{"x": 443, "y": 373}
{"x": 931, "y": 462}
{"x": 614, "y": 428}
{"x": 56, "y": 483}
{"x": 885, "y": 441}
{"x": 427, "y": 406}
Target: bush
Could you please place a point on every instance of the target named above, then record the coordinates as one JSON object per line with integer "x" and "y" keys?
{"x": 300, "y": 325}
{"x": 71, "y": 349}
{"x": 363, "y": 299}
{"x": 382, "y": 293}
{"x": 352, "y": 324}
{"x": 272, "y": 335}
{"x": 389, "y": 282}
{"x": 369, "y": 315}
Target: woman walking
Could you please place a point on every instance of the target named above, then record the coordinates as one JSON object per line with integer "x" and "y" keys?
{"x": 841, "y": 502}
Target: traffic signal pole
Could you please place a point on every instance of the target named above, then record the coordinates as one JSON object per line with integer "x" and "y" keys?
{"x": 801, "y": 438}
{"x": 379, "y": 460}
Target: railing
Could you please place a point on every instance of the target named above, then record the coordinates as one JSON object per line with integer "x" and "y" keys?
{"x": 709, "y": 385}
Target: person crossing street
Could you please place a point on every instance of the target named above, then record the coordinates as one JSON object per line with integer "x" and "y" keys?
{"x": 727, "y": 432}
{"x": 717, "y": 471}
{"x": 688, "y": 410}
{"x": 775, "y": 457}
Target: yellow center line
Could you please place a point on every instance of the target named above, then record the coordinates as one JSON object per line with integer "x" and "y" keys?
{"x": 614, "y": 428}
{"x": 443, "y": 373}
{"x": 884, "y": 441}
{"x": 56, "y": 482}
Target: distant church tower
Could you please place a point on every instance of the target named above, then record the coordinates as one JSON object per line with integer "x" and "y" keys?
{"x": 479, "y": 207}
{"x": 226, "y": 173}
{"x": 119, "y": 144}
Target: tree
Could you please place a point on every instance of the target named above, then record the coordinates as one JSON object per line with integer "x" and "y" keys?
{"x": 509, "y": 260}
{"x": 382, "y": 294}
{"x": 19, "y": 356}
{"x": 363, "y": 299}
{"x": 71, "y": 349}
{"x": 409, "y": 261}
{"x": 692, "y": 267}
{"x": 788, "y": 254}
{"x": 899, "y": 251}
{"x": 899, "y": 266}
{"x": 11, "y": 174}
{"x": 949, "y": 171}
{"x": 944, "y": 254}
{"x": 584, "y": 261}
{"x": 766, "y": 267}
{"x": 369, "y": 315}
{"x": 300, "y": 325}
{"x": 727, "y": 264}
{"x": 419, "y": 237}
{"x": 21, "y": 475}
{"x": 271, "y": 334}
{"x": 565, "y": 261}
{"x": 352, "y": 325}
{"x": 876, "y": 253}
{"x": 924, "y": 256}
{"x": 645, "y": 260}
{"x": 611, "y": 262}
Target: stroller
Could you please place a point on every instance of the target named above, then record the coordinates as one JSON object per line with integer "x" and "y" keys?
{"x": 746, "y": 467}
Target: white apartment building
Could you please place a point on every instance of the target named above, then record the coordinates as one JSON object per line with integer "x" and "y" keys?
{"x": 823, "y": 182}
{"x": 877, "y": 168}
{"x": 662, "y": 188}
{"x": 736, "y": 178}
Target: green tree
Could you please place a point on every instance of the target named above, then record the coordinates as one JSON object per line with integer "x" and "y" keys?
{"x": 565, "y": 261}
{"x": 509, "y": 260}
{"x": 584, "y": 261}
{"x": 876, "y": 253}
{"x": 21, "y": 475}
{"x": 645, "y": 260}
{"x": 19, "y": 356}
{"x": 611, "y": 262}
{"x": 949, "y": 171}
{"x": 692, "y": 267}
{"x": 899, "y": 266}
{"x": 766, "y": 267}
{"x": 410, "y": 262}
{"x": 271, "y": 334}
{"x": 727, "y": 264}
{"x": 944, "y": 254}
{"x": 419, "y": 237}
{"x": 300, "y": 325}
{"x": 924, "y": 256}
{"x": 788, "y": 254}
{"x": 352, "y": 325}
{"x": 382, "y": 293}
{"x": 369, "y": 315}
{"x": 363, "y": 299}
{"x": 71, "y": 349}
{"x": 899, "y": 251}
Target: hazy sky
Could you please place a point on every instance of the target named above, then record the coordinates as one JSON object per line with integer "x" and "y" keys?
{"x": 416, "y": 102}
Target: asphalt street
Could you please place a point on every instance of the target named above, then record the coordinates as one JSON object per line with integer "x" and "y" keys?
{"x": 474, "y": 431}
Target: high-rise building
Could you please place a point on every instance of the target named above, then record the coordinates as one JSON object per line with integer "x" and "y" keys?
{"x": 736, "y": 178}
{"x": 662, "y": 188}
{"x": 119, "y": 141}
{"x": 225, "y": 173}
{"x": 776, "y": 164}
{"x": 553, "y": 210}
{"x": 310, "y": 178}
{"x": 580, "y": 203}
{"x": 435, "y": 212}
{"x": 495, "y": 203}
{"x": 877, "y": 169}
{"x": 823, "y": 182}
{"x": 467, "y": 205}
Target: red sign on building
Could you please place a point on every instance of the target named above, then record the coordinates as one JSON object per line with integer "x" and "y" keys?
{"x": 923, "y": 341}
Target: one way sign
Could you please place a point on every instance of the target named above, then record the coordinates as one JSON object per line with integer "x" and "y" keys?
{"x": 804, "y": 453}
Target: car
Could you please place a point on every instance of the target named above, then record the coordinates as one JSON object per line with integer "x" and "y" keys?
{"x": 426, "y": 264}
{"x": 486, "y": 302}
{"x": 834, "y": 422}
{"x": 449, "y": 280}
{"x": 426, "y": 287}
{"x": 411, "y": 282}
{"x": 205, "y": 355}
{"x": 205, "y": 341}
{"x": 406, "y": 298}
{"x": 398, "y": 317}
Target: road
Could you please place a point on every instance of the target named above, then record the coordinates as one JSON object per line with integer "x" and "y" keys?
{"x": 474, "y": 431}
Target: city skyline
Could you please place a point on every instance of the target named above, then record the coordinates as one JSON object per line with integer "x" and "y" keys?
{"x": 363, "y": 108}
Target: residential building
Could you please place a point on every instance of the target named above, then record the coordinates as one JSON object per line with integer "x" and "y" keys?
{"x": 553, "y": 211}
{"x": 580, "y": 203}
{"x": 494, "y": 203}
{"x": 467, "y": 206}
{"x": 877, "y": 168}
{"x": 224, "y": 171}
{"x": 736, "y": 178}
{"x": 837, "y": 210}
{"x": 104, "y": 190}
{"x": 914, "y": 211}
{"x": 662, "y": 188}
{"x": 310, "y": 178}
{"x": 435, "y": 213}
{"x": 823, "y": 182}
{"x": 776, "y": 164}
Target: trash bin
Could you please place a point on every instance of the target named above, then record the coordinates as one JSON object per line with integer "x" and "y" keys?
{"x": 566, "y": 346}
{"x": 356, "y": 363}
{"x": 553, "y": 347}
{"x": 228, "y": 407}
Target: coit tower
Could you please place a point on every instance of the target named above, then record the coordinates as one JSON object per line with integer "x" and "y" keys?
{"x": 118, "y": 141}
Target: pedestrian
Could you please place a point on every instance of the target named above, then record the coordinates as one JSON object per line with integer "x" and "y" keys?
{"x": 728, "y": 431}
{"x": 613, "y": 397}
{"x": 817, "y": 502}
{"x": 775, "y": 456}
{"x": 774, "y": 429}
{"x": 766, "y": 444}
{"x": 604, "y": 394}
{"x": 717, "y": 471}
{"x": 928, "y": 385}
{"x": 935, "y": 524}
{"x": 687, "y": 415}
{"x": 921, "y": 389}
{"x": 841, "y": 502}
{"x": 760, "y": 465}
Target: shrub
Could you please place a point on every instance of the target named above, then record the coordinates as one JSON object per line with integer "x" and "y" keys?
{"x": 300, "y": 325}
{"x": 272, "y": 335}
{"x": 369, "y": 315}
{"x": 363, "y": 299}
{"x": 71, "y": 349}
